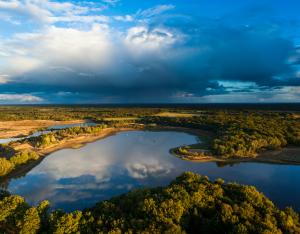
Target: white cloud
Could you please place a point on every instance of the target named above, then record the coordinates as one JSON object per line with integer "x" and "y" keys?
{"x": 19, "y": 98}
{"x": 69, "y": 50}
{"x": 9, "y": 4}
{"x": 143, "y": 15}
{"x": 59, "y": 55}
{"x": 80, "y": 19}
{"x": 79, "y": 45}
{"x": 145, "y": 38}
{"x": 155, "y": 10}
{"x": 3, "y": 78}
{"x": 143, "y": 170}
{"x": 63, "y": 7}
{"x": 124, "y": 18}
{"x": 16, "y": 65}
{"x": 26, "y": 9}
{"x": 57, "y": 49}
{"x": 49, "y": 12}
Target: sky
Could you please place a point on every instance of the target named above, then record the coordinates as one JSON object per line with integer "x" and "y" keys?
{"x": 155, "y": 51}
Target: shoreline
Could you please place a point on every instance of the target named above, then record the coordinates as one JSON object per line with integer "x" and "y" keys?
{"x": 231, "y": 161}
{"x": 281, "y": 156}
{"x": 71, "y": 143}
{"x": 273, "y": 157}
{"x": 82, "y": 140}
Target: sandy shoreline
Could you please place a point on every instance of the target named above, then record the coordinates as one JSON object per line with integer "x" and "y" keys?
{"x": 81, "y": 140}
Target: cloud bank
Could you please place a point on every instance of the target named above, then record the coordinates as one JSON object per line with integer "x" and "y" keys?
{"x": 81, "y": 52}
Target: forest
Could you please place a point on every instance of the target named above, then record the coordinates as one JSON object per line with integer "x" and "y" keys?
{"x": 190, "y": 204}
{"x": 9, "y": 113}
{"x": 240, "y": 134}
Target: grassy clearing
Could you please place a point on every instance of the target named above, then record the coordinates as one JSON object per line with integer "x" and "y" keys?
{"x": 24, "y": 127}
{"x": 174, "y": 114}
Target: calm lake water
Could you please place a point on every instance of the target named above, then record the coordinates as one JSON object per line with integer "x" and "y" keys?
{"x": 77, "y": 178}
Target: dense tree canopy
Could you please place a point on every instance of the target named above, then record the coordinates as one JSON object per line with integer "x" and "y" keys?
{"x": 70, "y": 112}
{"x": 240, "y": 134}
{"x": 190, "y": 204}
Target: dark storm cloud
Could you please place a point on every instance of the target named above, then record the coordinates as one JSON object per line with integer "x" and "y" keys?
{"x": 248, "y": 55}
{"x": 232, "y": 48}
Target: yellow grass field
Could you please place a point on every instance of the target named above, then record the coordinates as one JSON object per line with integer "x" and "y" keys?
{"x": 24, "y": 127}
{"x": 175, "y": 114}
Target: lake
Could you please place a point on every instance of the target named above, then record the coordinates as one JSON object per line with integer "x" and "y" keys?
{"x": 77, "y": 178}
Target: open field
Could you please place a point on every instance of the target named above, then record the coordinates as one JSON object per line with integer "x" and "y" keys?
{"x": 24, "y": 127}
{"x": 175, "y": 114}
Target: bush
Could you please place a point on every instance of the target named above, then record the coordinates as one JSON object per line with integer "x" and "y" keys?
{"x": 5, "y": 166}
{"x": 23, "y": 157}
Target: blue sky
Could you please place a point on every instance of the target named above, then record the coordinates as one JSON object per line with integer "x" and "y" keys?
{"x": 129, "y": 51}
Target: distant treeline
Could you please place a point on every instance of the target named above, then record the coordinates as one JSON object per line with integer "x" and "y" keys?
{"x": 190, "y": 204}
{"x": 8, "y": 113}
{"x": 96, "y": 112}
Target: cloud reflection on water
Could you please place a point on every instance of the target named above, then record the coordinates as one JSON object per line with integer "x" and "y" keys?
{"x": 78, "y": 178}
{"x": 101, "y": 169}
